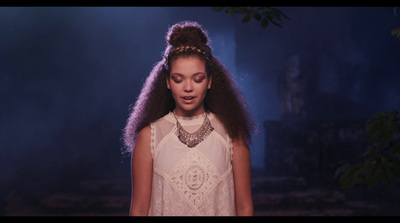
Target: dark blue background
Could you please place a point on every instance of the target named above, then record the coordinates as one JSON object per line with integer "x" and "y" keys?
{"x": 68, "y": 76}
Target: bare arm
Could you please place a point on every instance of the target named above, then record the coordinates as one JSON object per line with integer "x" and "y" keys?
{"x": 241, "y": 177}
{"x": 142, "y": 169}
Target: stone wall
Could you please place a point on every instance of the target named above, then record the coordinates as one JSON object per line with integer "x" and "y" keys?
{"x": 312, "y": 148}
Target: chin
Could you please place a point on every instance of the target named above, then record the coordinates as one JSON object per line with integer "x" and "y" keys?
{"x": 189, "y": 108}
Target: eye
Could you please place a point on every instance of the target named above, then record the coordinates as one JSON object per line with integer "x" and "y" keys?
{"x": 199, "y": 79}
{"x": 177, "y": 79}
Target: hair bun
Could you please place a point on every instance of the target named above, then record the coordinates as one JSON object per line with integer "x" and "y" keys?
{"x": 187, "y": 33}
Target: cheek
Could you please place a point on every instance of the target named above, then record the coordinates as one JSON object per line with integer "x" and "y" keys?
{"x": 170, "y": 84}
{"x": 202, "y": 89}
{"x": 174, "y": 88}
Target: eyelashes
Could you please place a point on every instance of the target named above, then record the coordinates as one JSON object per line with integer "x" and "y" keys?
{"x": 197, "y": 79}
{"x": 177, "y": 79}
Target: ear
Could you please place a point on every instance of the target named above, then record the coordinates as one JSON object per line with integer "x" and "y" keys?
{"x": 209, "y": 82}
{"x": 168, "y": 84}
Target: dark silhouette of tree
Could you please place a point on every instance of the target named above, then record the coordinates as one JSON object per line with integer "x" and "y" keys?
{"x": 382, "y": 158}
{"x": 264, "y": 15}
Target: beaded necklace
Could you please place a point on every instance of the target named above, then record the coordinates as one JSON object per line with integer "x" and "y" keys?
{"x": 193, "y": 139}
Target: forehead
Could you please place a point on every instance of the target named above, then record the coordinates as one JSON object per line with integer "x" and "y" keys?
{"x": 188, "y": 65}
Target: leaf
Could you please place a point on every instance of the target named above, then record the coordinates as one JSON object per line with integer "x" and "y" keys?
{"x": 237, "y": 9}
{"x": 393, "y": 128}
{"x": 387, "y": 135}
{"x": 350, "y": 177}
{"x": 256, "y": 15}
{"x": 217, "y": 9}
{"x": 392, "y": 115}
{"x": 381, "y": 115}
{"x": 247, "y": 18}
{"x": 263, "y": 14}
{"x": 277, "y": 24}
{"x": 373, "y": 130}
{"x": 341, "y": 169}
{"x": 229, "y": 11}
{"x": 264, "y": 23}
{"x": 396, "y": 32}
{"x": 383, "y": 156}
{"x": 277, "y": 13}
{"x": 244, "y": 10}
{"x": 370, "y": 151}
{"x": 387, "y": 172}
{"x": 372, "y": 175}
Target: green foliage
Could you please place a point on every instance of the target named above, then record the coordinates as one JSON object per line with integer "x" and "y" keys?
{"x": 267, "y": 15}
{"x": 264, "y": 15}
{"x": 382, "y": 162}
{"x": 396, "y": 32}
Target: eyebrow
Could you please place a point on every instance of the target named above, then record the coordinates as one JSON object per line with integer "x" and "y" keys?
{"x": 191, "y": 75}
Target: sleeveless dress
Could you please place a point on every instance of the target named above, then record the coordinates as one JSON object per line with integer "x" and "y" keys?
{"x": 194, "y": 181}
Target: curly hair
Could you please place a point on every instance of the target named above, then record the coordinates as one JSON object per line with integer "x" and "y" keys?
{"x": 223, "y": 98}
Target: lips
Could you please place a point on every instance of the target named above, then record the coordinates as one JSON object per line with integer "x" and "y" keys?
{"x": 188, "y": 99}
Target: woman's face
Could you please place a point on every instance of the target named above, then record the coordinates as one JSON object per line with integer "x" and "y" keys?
{"x": 188, "y": 82}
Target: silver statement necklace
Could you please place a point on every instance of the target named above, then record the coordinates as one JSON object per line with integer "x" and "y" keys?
{"x": 193, "y": 139}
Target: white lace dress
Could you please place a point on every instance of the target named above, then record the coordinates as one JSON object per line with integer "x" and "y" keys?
{"x": 194, "y": 181}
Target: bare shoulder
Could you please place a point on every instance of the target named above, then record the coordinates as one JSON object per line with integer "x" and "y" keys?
{"x": 239, "y": 144}
{"x": 141, "y": 165}
{"x": 144, "y": 138}
{"x": 241, "y": 166}
{"x": 145, "y": 132}
{"x": 241, "y": 152}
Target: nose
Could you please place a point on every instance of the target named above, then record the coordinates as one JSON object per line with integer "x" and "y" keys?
{"x": 188, "y": 87}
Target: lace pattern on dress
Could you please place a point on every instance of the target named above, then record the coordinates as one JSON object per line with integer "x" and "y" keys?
{"x": 152, "y": 138}
{"x": 194, "y": 176}
{"x": 191, "y": 181}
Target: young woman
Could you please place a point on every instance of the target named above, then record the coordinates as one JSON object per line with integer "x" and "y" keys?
{"x": 188, "y": 134}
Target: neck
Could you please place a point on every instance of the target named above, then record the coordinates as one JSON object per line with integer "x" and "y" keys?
{"x": 192, "y": 113}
